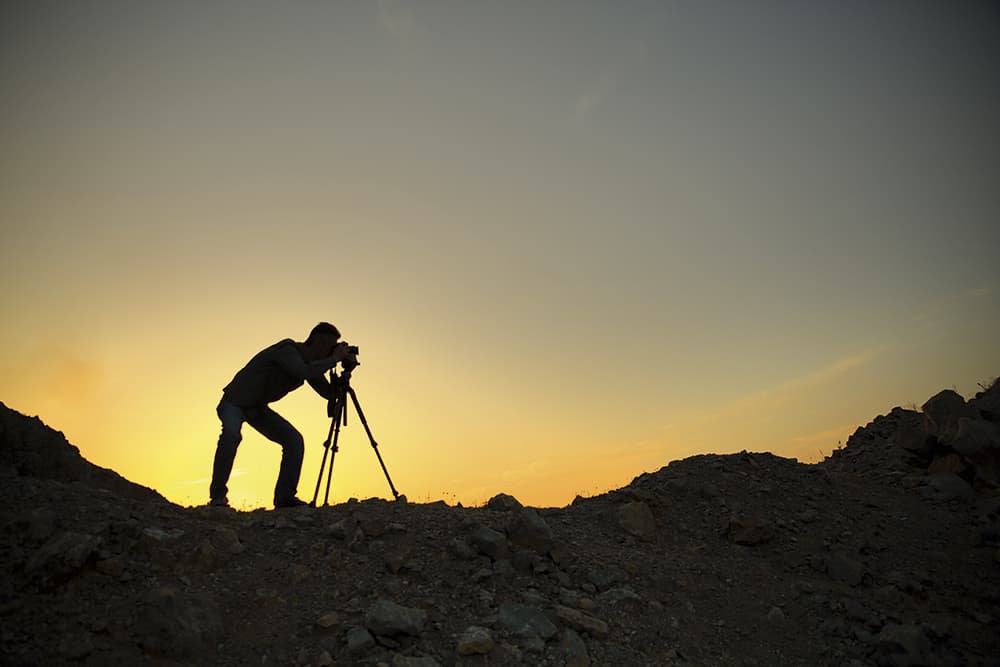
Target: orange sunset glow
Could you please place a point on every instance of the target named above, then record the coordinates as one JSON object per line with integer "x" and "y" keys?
{"x": 573, "y": 241}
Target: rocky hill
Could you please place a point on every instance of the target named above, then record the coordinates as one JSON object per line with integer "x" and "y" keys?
{"x": 888, "y": 553}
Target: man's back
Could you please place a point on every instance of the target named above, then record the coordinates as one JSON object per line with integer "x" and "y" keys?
{"x": 269, "y": 376}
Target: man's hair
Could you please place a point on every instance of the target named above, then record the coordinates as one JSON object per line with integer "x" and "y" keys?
{"x": 323, "y": 329}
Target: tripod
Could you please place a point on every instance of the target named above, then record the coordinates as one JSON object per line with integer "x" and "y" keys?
{"x": 336, "y": 409}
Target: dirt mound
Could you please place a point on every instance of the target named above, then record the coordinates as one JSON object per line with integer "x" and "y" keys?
{"x": 744, "y": 559}
{"x": 30, "y": 448}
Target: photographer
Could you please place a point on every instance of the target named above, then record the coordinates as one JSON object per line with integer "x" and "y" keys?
{"x": 269, "y": 376}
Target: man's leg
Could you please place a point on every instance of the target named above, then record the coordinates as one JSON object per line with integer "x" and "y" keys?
{"x": 232, "y": 419}
{"x": 276, "y": 428}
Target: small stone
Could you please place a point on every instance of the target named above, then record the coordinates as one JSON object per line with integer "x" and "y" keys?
{"x": 461, "y": 549}
{"x": 359, "y": 640}
{"x": 775, "y": 615}
{"x": 475, "y": 640}
{"x": 578, "y": 620}
{"x": 845, "y": 569}
{"x": 388, "y": 618}
{"x": 328, "y": 620}
{"x": 414, "y": 661}
{"x": 525, "y": 621}
{"x": 615, "y": 596}
{"x": 299, "y": 573}
{"x": 573, "y": 650}
{"x": 228, "y": 541}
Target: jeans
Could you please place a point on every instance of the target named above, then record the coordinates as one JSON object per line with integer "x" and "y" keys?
{"x": 272, "y": 426}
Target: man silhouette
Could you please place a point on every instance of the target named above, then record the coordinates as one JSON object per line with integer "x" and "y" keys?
{"x": 270, "y": 375}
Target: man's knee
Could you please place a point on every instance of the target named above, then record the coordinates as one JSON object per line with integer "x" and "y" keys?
{"x": 232, "y": 426}
{"x": 294, "y": 444}
{"x": 230, "y": 436}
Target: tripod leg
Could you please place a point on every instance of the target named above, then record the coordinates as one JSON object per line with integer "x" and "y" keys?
{"x": 338, "y": 419}
{"x": 334, "y": 411}
{"x": 371, "y": 438}
{"x": 322, "y": 465}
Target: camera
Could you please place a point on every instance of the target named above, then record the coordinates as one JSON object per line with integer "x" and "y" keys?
{"x": 351, "y": 362}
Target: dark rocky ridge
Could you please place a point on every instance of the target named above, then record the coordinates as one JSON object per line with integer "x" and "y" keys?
{"x": 31, "y": 449}
{"x": 888, "y": 553}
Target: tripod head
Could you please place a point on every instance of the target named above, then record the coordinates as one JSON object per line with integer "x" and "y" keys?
{"x": 339, "y": 385}
{"x": 342, "y": 383}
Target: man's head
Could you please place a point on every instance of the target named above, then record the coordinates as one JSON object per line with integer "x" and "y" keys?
{"x": 323, "y": 338}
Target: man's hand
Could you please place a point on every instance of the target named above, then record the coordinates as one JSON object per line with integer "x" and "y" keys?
{"x": 340, "y": 352}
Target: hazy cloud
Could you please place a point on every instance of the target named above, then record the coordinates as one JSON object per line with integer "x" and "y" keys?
{"x": 52, "y": 372}
{"x": 775, "y": 396}
{"x": 531, "y": 470}
{"x": 595, "y": 96}
{"x": 602, "y": 87}
{"x": 396, "y": 20}
{"x": 754, "y": 420}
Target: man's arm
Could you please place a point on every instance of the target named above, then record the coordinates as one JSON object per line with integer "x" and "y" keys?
{"x": 290, "y": 361}
{"x": 322, "y": 386}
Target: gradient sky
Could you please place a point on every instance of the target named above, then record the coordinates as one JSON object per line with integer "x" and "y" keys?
{"x": 573, "y": 240}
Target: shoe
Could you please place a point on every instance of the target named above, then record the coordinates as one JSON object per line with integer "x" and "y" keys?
{"x": 219, "y": 502}
{"x": 289, "y": 502}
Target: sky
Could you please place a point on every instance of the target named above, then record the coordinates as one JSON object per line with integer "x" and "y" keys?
{"x": 574, "y": 241}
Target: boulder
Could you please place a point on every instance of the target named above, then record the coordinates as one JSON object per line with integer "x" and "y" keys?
{"x": 950, "y": 463}
{"x": 504, "y": 502}
{"x": 637, "y": 519}
{"x": 490, "y": 542}
{"x": 973, "y": 437}
{"x": 528, "y": 530}
{"x": 175, "y": 624}
{"x": 63, "y": 555}
{"x": 943, "y": 410}
{"x": 914, "y": 438}
{"x": 987, "y": 402}
{"x": 948, "y": 486}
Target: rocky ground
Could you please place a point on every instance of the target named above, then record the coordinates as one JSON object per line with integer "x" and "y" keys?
{"x": 888, "y": 553}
